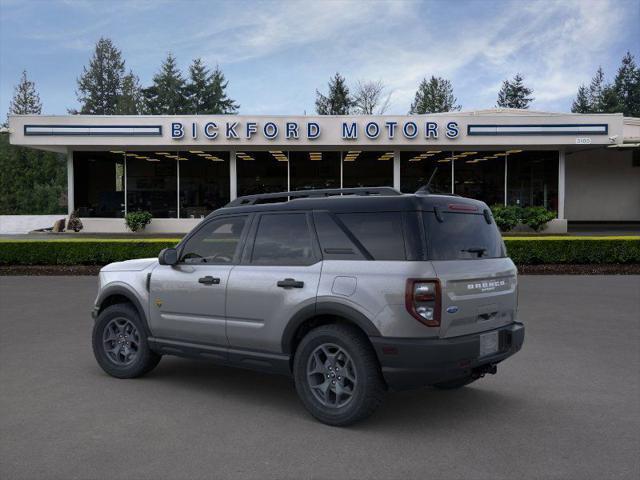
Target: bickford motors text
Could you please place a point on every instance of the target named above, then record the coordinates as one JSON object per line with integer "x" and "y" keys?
{"x": 349, "y": 130}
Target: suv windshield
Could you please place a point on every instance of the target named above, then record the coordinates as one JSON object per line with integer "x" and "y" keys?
{"x": 462, "y": 236}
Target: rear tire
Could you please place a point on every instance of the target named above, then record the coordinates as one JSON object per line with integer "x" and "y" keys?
{"x": 454, "y": 384}
{"x": 120, "y": 343}
{"x": 337, "y": 375}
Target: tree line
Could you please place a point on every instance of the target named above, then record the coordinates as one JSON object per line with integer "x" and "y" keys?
{"x": 33, "y": 181}
{"x": 435, "y": 95}
{"x": 106, "y": 88}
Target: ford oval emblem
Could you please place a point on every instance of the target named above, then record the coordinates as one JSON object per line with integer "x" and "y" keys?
{"x": 452, "y": 309}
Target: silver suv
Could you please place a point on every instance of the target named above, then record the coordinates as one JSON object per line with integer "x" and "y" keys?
{"x": 350, "y": 291}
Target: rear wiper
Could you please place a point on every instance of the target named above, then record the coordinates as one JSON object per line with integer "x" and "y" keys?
{"x": 479, "y": 250}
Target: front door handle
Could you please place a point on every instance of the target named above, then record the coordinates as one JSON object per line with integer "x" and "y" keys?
{"x": 290, "y": 283}
{"x": 209, "y": 280}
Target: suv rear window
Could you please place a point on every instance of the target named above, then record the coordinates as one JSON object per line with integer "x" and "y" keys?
{"x": 380, "y": 233}
{"x": 283, "y": 239}
{"x": 462, "y": 236}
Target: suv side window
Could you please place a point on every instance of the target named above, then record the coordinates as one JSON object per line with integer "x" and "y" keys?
{"x": 381, "y": 233}
{"x": 334, "y": 241}
{"x": 283, "y": 239}
{"x": 215, "y": 243}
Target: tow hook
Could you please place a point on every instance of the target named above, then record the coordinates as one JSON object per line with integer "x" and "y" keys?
{"x": 483, "y": 370}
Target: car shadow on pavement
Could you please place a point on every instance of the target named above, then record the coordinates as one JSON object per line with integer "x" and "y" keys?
{"x": 423, "y": 407}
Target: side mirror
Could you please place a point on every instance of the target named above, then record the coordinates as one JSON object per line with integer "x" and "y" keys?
{"x": 168, "y": 256}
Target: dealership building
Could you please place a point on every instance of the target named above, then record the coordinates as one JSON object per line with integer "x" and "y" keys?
{"x": 180, "y": 168}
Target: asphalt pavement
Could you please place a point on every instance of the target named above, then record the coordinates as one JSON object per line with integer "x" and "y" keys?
{"x": 567, "y": 406}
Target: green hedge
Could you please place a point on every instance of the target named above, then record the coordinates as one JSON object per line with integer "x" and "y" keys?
{"x": 573, "y": 250}
{"x": 78, "y": 252}
{"x": 523, "y": 250}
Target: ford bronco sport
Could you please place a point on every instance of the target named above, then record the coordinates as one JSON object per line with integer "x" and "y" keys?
{"x": 349, "y": 291}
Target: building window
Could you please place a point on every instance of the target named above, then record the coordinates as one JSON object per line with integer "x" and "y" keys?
{"x": 416, "y": 168}
{"x": 204, "y": 182}
{"x": 367, "y": 169}
{"x": 532, "y": 179}
{"x": 311, "y": 170}
{"x": 262, "y": 172}
{"x": 99, "y": 184}
{"x": 480, "y": 175}
{"x": 152, "y": 183}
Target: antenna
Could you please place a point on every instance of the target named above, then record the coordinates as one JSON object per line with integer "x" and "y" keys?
{"x": 425, "y": 188}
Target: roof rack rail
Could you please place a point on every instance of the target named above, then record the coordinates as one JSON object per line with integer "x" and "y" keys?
{"x": 326, "y": 192}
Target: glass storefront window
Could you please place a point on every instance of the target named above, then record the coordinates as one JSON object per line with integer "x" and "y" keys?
{"x": 480, "y": 175}
{"x": 152, "y": 178}
{"x": 99, "y": 184}
{"x": 204, "y": 182}
{"x": 532, "y": 179}
{"x": 261, "y": 172}
{"x": 311, "y": 170}
{"x": 417, "y": 167}
{"x": 367, "y": 169}
{"x": 152, "y": 183}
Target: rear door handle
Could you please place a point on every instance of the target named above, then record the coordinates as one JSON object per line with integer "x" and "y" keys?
{"x": 290, "y": 283}
{"x": 209, "y": 280}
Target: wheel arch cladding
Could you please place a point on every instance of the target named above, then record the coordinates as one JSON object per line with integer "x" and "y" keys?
{"x": 323, "y": 313}
{"x": 117, "y": 294}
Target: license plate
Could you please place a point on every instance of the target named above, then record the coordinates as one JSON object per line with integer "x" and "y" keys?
{"x": 488, "y": 344}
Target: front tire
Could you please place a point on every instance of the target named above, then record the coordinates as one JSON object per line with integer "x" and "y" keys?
{"x": 120, "y": 343}
{"x": 337, "y": 375}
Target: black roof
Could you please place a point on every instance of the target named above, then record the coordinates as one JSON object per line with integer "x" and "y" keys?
{"x": 351, "y": 200}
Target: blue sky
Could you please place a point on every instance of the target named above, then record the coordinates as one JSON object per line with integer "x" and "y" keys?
{"x": 276, "y": 53}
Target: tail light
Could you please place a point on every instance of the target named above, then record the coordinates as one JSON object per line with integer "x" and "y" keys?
{"x": 422, "y": 299}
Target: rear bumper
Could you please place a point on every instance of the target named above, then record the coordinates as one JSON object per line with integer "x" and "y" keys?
{"x": 409, "y": 363}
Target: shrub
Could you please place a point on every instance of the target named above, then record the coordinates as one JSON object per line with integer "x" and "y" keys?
{"x": 506, "y": 217}
{"x": 536, "y": 217}
{"x": 75, "y": 223}
{"x": 137, "y": 220}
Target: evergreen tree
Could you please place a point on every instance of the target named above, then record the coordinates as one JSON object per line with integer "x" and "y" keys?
{"x": 433, "y": 96}
{"x": 25, "y": 99}
{"x": 514, "y": 94}
{"x": 581, "y": 104}
{"x": 130, "y": 101}
{"x": 100, "y": 85}
{"x": 596, "y": 91}
{"x": 206, "y": 91}
{"x": 31, "y": 181}
{"x": 167, "y": 95}
{"x": 219, "y": 102}
{"x": 196, "y": 89}
{"x": 627, "y": 86}
{"x": 338, "y": 101}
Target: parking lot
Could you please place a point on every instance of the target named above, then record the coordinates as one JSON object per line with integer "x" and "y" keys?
{"x": 567, "y": 406}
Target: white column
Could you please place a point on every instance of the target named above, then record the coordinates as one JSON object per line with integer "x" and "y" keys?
{"x": 561, "y": 177}
{"x": 341, "y": 168}
{"x": 177, "y": 188}
{"x": 125, "y": 185}
{"x": 396, "y": 169}
{"x": 233, "y": 177}
{"x": 506, "y": 168}
{"x": 288, "y": 172}
{"x": 453, "y": 173}
{"x": 70, "y": 183}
